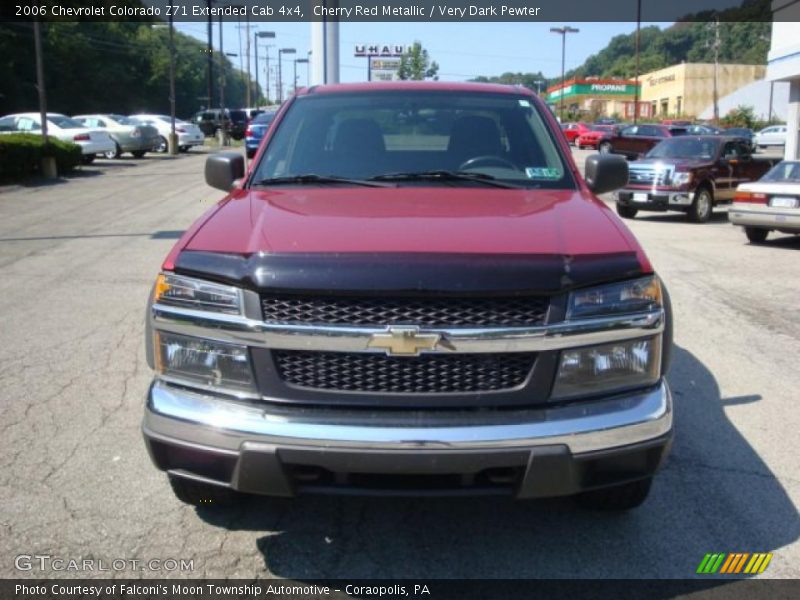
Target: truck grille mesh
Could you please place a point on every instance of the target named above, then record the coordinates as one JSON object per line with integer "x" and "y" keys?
{"x": 522, "y": 311}
{"x": 425, "y": 374}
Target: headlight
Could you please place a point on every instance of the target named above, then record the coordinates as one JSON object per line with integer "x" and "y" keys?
{"x": 186, "y": 292}
{"x": 637, "y": 295}
{"x": 608, "y": 367}
{"x": 681, "y": 178}
{"x": 204, "y": 362}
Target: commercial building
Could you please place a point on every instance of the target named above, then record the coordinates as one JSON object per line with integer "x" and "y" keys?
{"x": 687, "y": 89}
{"x": 600, "y": 97}
{"x": 783, "y": 64}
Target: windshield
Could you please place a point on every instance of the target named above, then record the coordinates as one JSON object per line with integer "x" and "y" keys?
{"x": 786, "y": 171}
{"x": 64, "y": 122}
{"x": 683, "y": 147}
{"x": 122, "y": 120}
{"x": 379, "y": 134}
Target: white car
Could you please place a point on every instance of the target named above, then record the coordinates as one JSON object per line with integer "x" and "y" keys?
{"x": 189, "y": 134}
{"x": 128, "y": 135}
{"x": 774, "y": 135}
{"x": 91, "y": 141}
{"x": 770, "y": 204}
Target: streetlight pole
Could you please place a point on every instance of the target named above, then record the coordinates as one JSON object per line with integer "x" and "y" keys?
{"x": 636, "y": 87}
{"x": 563, "y": 31}
{"x": 256, "y": 35}
{"x": 172, "y": 145}
{"x": 281, "y": 52}
{"x": 302, "y": 61}
{"x": 209, "y": 58}
{"x": 223, "y": 138}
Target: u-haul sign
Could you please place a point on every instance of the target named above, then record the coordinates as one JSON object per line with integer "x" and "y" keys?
{"x": 379, "y": 50}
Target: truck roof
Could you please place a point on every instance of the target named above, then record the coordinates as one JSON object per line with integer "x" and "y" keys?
{"x": 438, "y": 86}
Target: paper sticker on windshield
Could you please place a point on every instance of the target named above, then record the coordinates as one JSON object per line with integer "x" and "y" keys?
{"x": 525, "y": 103}
{"x": 543, "y": 173}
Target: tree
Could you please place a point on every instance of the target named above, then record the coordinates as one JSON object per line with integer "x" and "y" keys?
{"x": 741, "y": 116}
{"x": 416, "y": 64}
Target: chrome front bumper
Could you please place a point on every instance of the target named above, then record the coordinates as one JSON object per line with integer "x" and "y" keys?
{"x": 551, "y": 445}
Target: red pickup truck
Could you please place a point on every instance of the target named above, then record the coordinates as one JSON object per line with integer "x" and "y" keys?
{"x": 690, "y": 174}
{"x": 412, "y": 289}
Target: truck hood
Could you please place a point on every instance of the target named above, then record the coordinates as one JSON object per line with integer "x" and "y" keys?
{"x": 468, "y": 225}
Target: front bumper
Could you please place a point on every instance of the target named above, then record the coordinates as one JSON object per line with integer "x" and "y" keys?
{"x": 282, "y": 451}
{"x": 655, "y": 200}
{"x": 765, "y": 217}
{"x": 191, "y": 139}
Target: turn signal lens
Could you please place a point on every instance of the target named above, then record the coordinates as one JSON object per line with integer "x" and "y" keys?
{"x": 750, "y": 197}
{"x": 187, "y": 292}
{"x": 637, "y": 295}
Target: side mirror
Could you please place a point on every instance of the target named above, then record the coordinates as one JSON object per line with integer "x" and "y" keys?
{"x": 605, "y": 172}
{"x": 223, "y": 168}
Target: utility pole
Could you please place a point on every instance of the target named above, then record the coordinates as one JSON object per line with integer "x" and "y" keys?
{"x": 256, "y": 35}
{"x": 716, "y": 45}
{"x": 223, "y": 139}
{"x": 172, "y": 143}
{"x": 282, "y": 51}
{"x": 210, "y": 58}
{"x": 49, "y": 169}
{"x": 563, "y": 31}
{"x": 636, "y": 86}
{"x": 267, "y": 69}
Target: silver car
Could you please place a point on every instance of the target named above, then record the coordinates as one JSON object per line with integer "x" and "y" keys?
{"x": 770, "y": 204}
{"x": 774, "y": 135}
{"x": 128, "y": 135}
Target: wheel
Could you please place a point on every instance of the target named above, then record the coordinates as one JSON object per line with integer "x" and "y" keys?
{"x": 162, "y": 145}
{"x": 702, "y": 205}
{"x": 251, "y": 153}
{"x": 202, "y": 494}
{"x": 88, "y": 159}
{"x": 620, "y": 497}
{"x": 115, "y": 153}
{"x": 604, "y": 148}
{"x": 184, "y": 148}
{"x": 626, "y": 212}
{"x": 138, "y": 153}
{"x": 756, "y": 235}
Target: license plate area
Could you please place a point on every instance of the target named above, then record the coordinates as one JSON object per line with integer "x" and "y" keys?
{"x": 640, "y": 197}
{"x": 783, "y": 202}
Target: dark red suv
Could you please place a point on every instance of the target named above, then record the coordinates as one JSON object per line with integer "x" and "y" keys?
{"x": 634, "y": 141}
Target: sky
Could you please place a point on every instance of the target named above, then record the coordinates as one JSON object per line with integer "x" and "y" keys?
{"x": 463, "y": 50}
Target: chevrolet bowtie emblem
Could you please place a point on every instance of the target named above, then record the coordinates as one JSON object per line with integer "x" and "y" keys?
{"x": 404, "y": 341}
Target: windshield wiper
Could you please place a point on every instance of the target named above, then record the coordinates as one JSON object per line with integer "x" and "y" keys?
{"x": 315, "y": 179}
{"x": 444, "y": 175}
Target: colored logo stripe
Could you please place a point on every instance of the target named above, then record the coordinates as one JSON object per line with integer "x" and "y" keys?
{"x": 734, "y": 562}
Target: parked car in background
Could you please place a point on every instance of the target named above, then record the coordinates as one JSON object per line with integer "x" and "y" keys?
{"x": 212, "y": 120}
{"x": 690, "y": 174}
{"x": 573, "y": 130}
{"x": 252, "y": 113}
{"x": 591, "y": 138}
{"x": 634, "y": 141}
{"x": 128, "y": 135}
{"x": 742, "y": 133}
{"x": 255, "y": 132}
{"x": 774, "y": 135}
{"x": 676, "y": 122}
{"x": 606, "y": 121}
{"x": 770, "y": 204}
{"x": 91, "y": 141}
{"x": 189, "y": 134}
{"x": 704, "y": 130}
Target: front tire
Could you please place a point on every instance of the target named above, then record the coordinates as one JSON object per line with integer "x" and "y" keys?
{"x": 756, "y": 235}
{"x": 202, "y": 494}
{"x": 162, "y": 145}
{"x": 702, "y": 206}
{"x": 138, "y": 153}
{"x": 604, "y": 148}
{"x": 617, "y": 498}
{"x": 626, "y": 212}
{"x": 88, "y": 159}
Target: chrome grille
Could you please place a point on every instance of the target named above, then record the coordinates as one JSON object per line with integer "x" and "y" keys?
{"x": 426, "y": 374}
{"x": 649, "y": 176}
{"x": 517, "y": 311}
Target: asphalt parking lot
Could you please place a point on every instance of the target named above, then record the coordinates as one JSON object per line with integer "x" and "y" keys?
{"x": 77, "y": 259}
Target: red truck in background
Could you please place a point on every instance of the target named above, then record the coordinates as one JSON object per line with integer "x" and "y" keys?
{"x": 634, "y": 141}
{"x": 411, "y": 290}
{"x": 690, "y": 174}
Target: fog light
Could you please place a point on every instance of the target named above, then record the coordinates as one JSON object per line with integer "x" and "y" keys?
{"x": 204, "y": 362}
{"x": 608, "y": 367}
